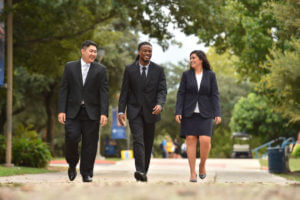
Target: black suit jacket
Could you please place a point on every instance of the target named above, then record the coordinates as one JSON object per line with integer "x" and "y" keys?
{"x": 207, "y": 97}
{"x": 94, "y": 92}
{"x": 136, "y": 96}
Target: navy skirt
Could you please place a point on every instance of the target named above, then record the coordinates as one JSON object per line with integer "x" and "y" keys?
{"x": 195, "y": 125}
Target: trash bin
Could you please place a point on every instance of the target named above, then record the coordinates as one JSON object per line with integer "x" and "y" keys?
{"x": 276, "y": 160}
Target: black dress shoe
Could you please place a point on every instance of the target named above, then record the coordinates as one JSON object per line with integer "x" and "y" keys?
{"x": 72, "y": 173}
{"x": 140, "y": 176}
{"x": 87, "y": 179}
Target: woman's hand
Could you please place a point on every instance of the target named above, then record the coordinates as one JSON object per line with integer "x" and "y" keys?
{"x": 178, "y": 118}
{"x": 218, "y": 120}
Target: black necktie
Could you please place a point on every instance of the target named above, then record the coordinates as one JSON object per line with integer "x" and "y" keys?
{"x": 144, "y": 78}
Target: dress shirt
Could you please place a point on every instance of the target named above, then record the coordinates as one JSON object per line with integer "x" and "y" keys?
{"x": 199, "y": 79}
{"x": 141, "y": 68}
{"x": 84, "y": 70}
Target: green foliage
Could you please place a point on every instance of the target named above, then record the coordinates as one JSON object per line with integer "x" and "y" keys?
{"x": 230, "y": 89}
{"x": 31, "y": 153}
{"x": 296, "y": 152}
{"x": 25, "y": 132}
{"x": 248, "y": 29}
{"x": 221, "y": 146}
{"x": 281, "y": 85}
{"x": 27, "y": 149}
{"x": 254, "y": 115}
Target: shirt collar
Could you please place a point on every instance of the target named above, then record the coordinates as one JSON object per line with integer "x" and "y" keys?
{"x": 141, "y": 66}
{"x": 84, "y": 63}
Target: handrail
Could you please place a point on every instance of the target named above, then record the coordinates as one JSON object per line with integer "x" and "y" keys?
{"x": 288, "y": 141}
{"x": 255, "y": 151}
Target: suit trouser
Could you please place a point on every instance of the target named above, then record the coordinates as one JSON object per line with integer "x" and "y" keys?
{"x": 82, "y": 127}
{"x": 143, "y": 136}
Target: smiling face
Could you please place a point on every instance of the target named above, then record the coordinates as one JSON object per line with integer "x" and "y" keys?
{"x": 145, "y": 53}
{"x": 89, "y": 54}
{"x": 195, "y": 61}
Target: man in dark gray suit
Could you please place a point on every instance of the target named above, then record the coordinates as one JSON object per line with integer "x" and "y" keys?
{"x": 82, "y": 105}
{"x": 143, "y": 94}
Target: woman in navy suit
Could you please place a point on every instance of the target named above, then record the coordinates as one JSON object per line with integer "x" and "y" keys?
{"x": 197, "y": 105}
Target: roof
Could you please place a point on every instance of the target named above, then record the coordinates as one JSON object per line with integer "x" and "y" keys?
{"x": 240, "y": 134}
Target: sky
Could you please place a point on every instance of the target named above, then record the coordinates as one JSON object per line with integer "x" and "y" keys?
{"x": 174, "y": 54}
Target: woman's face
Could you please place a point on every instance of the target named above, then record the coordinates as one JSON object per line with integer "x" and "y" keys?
{"x": 195, "y": 61}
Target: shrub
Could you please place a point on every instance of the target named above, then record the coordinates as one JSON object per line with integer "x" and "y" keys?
{"x": 31, "y": 153}
{"x": 221, "y": 143}
{"x": 296, "y": 152}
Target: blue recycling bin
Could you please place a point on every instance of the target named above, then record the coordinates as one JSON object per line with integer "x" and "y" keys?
{"x": 276, "y": 160}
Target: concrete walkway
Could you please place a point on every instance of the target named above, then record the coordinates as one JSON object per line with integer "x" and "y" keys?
{"x": 168, "y": 179}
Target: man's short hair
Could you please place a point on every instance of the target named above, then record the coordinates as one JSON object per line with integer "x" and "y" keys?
{"x": 88, "y": 43}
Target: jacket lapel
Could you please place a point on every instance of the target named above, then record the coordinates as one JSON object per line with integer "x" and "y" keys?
{"x": 137, "y": 71}
{"x": 78, "y": 72}
{"x": 90, "y": 72}
{"x": 203, "y": 81}
{"x": 150, "y": 72}
{"x": 194, "y": 81}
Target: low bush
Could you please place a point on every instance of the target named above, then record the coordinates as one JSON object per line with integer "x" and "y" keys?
{"x": 31, "y": 153}
{"x": 296, "y": 152}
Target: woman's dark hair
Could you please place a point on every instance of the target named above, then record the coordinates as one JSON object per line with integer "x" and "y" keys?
{"x": 88, "y": 43}
{"x": 201, "y": 55}
{"x": 139, "y": 47}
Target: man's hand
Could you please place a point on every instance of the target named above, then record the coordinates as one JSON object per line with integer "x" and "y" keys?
{"x": 103, "y": 120}
{"x": 62, "y": 118}
{"x": 178, "y": 118}
{"x": 157, "y": 109}
{"x": 218, "y": 120}
{"x": 122, "y": 119}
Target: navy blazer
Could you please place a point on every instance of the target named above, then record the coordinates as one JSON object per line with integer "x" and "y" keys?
{"x": 207, "y": 97}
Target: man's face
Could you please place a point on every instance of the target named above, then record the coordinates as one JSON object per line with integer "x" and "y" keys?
{"x": 89, "y": 54}
{"x": 145, "y": 53}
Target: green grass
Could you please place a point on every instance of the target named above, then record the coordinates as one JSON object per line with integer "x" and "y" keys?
{"x": 113, "y": 159}
{"x": 294, "y": 167}
{"x": 11, "y": 171}
{"x": 58, "y": 158}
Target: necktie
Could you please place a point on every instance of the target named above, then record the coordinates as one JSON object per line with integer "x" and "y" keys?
{"x": 144, "y": 78}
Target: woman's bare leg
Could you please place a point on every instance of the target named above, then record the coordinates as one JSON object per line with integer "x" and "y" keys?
{"x": 191, "y": 144}
{"x": 205, "y": 146}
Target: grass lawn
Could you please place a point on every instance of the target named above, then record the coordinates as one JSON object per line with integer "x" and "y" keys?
{"x": 11, "y": 171}
{"x": 113, "y": 159}
{"x": 294, "y": 167}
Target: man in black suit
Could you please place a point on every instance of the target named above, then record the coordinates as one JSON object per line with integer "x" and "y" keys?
{"x": 83, "y": 103}
{"x": 143, "y": 93}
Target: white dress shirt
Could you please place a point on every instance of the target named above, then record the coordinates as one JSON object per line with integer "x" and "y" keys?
{"x": 199, "y": 79}
{"x": 84, "y": 70}
{"x": 141, "y": 68}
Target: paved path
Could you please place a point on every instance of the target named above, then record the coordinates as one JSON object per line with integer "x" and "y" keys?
{"x": 168, "y": 179}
